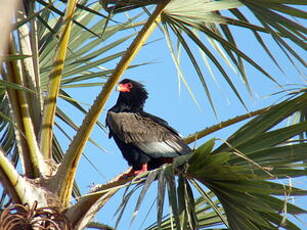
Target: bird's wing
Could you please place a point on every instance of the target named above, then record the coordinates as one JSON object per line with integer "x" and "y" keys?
{"x": 160, "y": 121}
{"x": 154, "y": 138}
{"x": 132, "y": 127}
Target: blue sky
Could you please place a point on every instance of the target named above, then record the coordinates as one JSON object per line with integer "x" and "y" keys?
{"x": 177, "y": 107}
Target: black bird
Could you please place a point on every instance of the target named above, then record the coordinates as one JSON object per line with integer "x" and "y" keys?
{"x": 146, "y": 141}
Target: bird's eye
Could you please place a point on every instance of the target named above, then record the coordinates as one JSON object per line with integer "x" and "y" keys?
{"x": 129, "y": 85}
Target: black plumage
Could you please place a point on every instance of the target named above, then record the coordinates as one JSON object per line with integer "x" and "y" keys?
{"x": 146, "y": 141}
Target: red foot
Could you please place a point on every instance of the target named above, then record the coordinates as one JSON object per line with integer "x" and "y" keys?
{"x": 142, "y": 170}
{"x": 133, "y": 172}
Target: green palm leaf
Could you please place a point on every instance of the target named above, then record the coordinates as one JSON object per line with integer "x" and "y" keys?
{"x": 242, "y": 175}
{"x": 207, "y": 17}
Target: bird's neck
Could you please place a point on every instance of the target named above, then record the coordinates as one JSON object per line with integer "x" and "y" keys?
{"x": 129, "y": 103}
{"x": 123, "y": 107}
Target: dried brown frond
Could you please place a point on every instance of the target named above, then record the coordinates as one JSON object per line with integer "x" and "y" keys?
{"x": 19, "y": 217}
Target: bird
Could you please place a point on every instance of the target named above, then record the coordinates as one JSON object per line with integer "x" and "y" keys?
{"x": 146, "y": 141}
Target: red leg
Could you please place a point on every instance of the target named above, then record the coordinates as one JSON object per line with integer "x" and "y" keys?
{"x": 143, "y": 169}
{"x": 133, "y": 172}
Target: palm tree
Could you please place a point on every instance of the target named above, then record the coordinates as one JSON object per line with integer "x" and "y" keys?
{"x": 55, "y": 45}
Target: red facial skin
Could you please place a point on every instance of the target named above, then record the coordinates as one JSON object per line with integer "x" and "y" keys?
{"x": 124, "y": 87}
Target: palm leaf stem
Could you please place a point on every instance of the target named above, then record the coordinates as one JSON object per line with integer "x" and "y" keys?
{"x": 29, "y": 150}
{"x": 55, "y": 82}
{"x": 9, "y": 177}
{"x": 196, "y": 136}
{"x": 36, "y": 65}
{"x": 97, "y": 225}
{"x": 29, "y": 76}
{"x": 21, "y": 144}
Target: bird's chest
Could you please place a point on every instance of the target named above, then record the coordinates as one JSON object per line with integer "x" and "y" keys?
{"x": 123, "y": 123}
{"x": 114, "y": 122}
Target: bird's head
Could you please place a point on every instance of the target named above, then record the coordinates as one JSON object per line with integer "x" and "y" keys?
{"x": 132, "y": 94}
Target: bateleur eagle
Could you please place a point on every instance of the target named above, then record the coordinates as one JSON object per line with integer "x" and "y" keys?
{"x": 146, "y": 141}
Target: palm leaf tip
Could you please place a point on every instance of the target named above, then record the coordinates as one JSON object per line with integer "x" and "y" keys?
{"x": 195, "y": 12}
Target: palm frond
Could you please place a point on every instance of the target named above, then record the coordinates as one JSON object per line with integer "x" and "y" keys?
{"x": 212, "y": 19}
{"x": 251, "y": 167}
